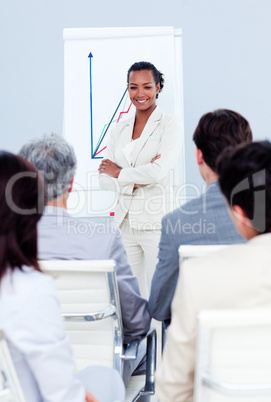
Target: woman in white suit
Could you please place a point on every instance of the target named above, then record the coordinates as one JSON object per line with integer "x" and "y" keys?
{"x": 140, "y": 153}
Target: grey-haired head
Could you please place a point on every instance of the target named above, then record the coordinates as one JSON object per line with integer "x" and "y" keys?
{"x": 55, "y": 159}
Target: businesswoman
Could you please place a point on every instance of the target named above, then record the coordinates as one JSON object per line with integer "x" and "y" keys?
{"x": 140, "y": 153}
{"x": 29, "y": 310}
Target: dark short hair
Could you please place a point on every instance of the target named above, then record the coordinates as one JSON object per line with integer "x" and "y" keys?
{"x": 217, "y": 130}
{"x": 245, "y": 180}
{"x": 145, "y": 65}
{"x": 21, "y": 206}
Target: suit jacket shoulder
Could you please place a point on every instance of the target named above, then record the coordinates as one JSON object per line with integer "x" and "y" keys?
{"x": 203, "y": 220}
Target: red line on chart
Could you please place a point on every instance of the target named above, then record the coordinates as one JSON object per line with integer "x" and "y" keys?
{"x": 99, "y": 151}
{"x": 121, "y": 113}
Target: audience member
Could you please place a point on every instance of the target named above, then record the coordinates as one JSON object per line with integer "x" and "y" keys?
{"x": 30, "y": 315}
{"x": 60, "y": 236}
{"x": 235, "y": 278}
{"x": 203, "y": 220}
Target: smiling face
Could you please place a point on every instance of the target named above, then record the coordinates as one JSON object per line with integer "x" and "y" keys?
{"x": 143, "y": 89}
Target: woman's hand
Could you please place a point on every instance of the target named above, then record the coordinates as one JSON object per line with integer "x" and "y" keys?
{"x": 90, "y": 397}
{"x": 110, "y": 168}
{"x": 158, "y": 156}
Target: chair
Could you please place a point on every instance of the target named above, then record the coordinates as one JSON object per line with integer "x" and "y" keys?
{"x": 233, "y": 356}
{"x": 89, "y": 299}
{"x": 10, "y": 389}
{"x": 198, "y": 250}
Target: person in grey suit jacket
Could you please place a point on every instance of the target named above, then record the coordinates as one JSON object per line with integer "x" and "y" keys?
{"x": 203, "y": 220}
{"x": 237, "y": 277}
{"x": 60, "y": 236}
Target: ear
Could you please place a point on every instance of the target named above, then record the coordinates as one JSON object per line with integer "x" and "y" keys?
{"x": 157, "y": 88}
{"x": 199, "y": 156}
{"x": 239, "y": 213}
{"x": 71, "y": 185}
{"x": 243, "y": 223}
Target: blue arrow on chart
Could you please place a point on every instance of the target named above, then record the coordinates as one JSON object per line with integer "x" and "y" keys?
{"x": 90, "y": 103}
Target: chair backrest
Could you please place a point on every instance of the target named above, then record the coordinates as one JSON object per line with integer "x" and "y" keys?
{"x": 186, "y": 252}
{"x": 10, "y": 389}
{"x": 233, "y": 356}
{"x": 198, "y": 250}
{"x": 89, "y": 300}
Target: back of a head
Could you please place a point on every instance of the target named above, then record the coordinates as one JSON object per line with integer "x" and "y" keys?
{"x": 21, "y": 206}
{"x": 55, "y": 159}
{"x": 245, "y": 180}
{"x": 218, "y": 130}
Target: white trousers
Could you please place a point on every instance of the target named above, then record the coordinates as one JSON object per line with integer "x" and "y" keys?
{"x": 142, "y": 252}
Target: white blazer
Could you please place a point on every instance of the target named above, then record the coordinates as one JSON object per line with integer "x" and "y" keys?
{"x": 145, "y": 205}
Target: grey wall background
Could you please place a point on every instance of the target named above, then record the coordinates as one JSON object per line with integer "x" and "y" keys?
{"x": 226, "y": 60}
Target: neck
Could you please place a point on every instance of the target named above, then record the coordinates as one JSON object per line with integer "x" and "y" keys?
{"x": 251, "y": 233}
{"x": 143, "y": 115}
{"x": 210, "y": 178}
{"x": 61, "y": 203}
{"x": 207, "y": 174}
